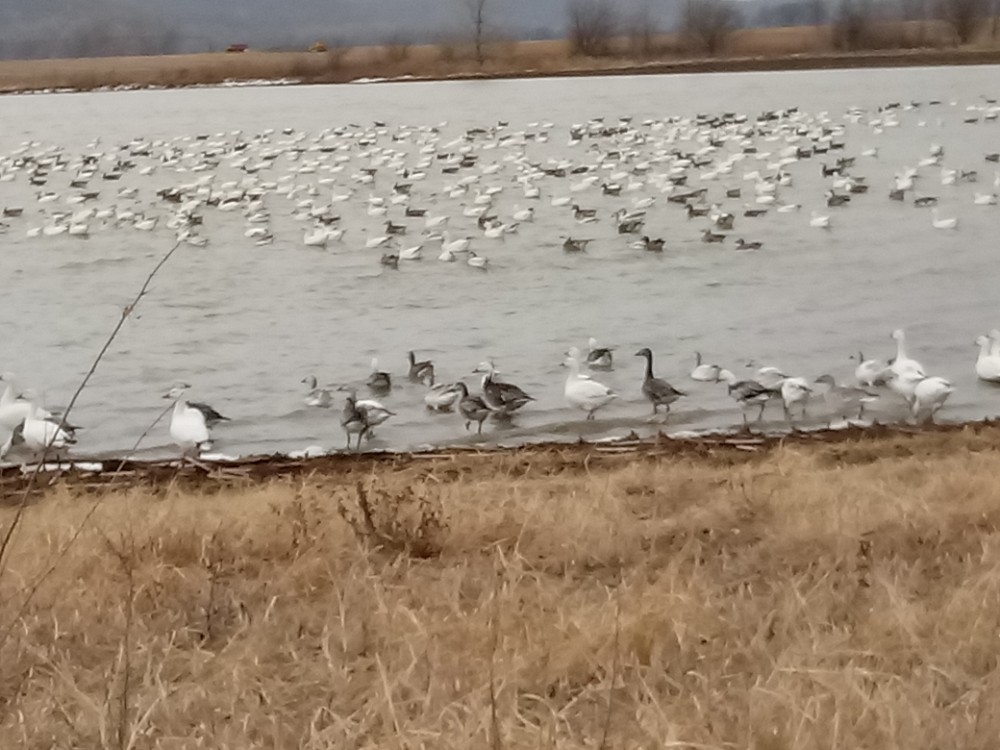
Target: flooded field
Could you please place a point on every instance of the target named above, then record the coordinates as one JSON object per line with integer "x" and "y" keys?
{"x": 247, "y": 316}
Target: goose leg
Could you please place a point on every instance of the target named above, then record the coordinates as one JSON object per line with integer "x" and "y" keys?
{"x": 746, "y": 423}
{"x": 760, "y": 414}
{"x": 479, "y": 429}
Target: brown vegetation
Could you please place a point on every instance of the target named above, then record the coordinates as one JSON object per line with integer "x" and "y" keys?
{"x": 806, "y": 595}
{"x": 603, "y": 43}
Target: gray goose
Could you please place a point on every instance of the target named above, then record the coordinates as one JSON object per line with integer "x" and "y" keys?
{"x": 658, "y": 391}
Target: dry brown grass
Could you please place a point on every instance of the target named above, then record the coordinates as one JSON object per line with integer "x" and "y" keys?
{"x": 810, "y": 596}
{"x": 749, "y": 49}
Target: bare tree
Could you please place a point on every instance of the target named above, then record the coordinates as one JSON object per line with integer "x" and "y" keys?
{"x": 852, "y": 24}
{"x": 592, "y": 27}
{"x": 708, "y": 23}
{"x": 641, "y": 32}
{"x": 477, "y": 18}
{"x": 964, "y": 17}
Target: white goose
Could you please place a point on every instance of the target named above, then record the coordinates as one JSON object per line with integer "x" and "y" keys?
{"x": 902, "y": 363}
{"x": 819, "y": 221}
{"x": 582, "y": 392}
{"x": 869, "y": 372}
{"x": 189, "y": 421}
{"x": 988, "y": 362}
{"x": 929, "y": 395}
{"x": 704, "y": 373}
{"x": 41, "y": 433}
{"x": 938, "y": 223}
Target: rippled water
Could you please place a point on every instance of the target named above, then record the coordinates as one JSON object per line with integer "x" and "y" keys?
{"x": 244, "y": 324}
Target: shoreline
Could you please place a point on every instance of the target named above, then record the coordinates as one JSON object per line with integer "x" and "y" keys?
{"x": 94, "y": 474}
{"x": 223, "y": 70}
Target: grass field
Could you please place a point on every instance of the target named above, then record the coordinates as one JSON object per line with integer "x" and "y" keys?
{"x": 751, "y": 49}
{"x": 802, "y": 595}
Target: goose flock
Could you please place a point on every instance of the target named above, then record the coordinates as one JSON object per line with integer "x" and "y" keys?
{"x": 496, "y": 200}
{"x": 23, "y": 421}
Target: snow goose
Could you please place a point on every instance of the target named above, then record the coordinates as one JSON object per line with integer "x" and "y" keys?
{"x": 819, "y": 221}
{"x": 42, "y": 433}
{"x": 580, "y": 391}
{"x": 929, "y": 395}
{"x": 190, "y": 421}
{"x": 902, "y": 363}
{"x": 947, "y": 223}
{"x": 317, "y": 397}
{"x": 794, "y": 392}
{"x": 869, "y": 372}
{"x": 411, "y": 253}
{"x": 747, "y": 393}
{"x": 842, "y": 400}
{"x": 472, "y": 408}
{"x": 477, "y": 261}
{"x": 988, "y": 362}
{"x": 659, "y": 392}
{"x": 599, "y": 357}
{"x": 703, "y": 372}
{"x": 442, "y": 397}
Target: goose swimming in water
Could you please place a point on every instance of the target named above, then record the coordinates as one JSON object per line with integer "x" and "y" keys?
{"x": 379, "y": 383}
{"x": 658, "y": 391}
{"x": 869, "y": 372}
{"x": 988, "y": 362}
{"x": 442, "y": 397}
{"x": 191, "y": 421}
{"x": 704, "y": 373}
{"x": 420, "y": 371}
{"x": 318, "y": 397}
{"x": 582, "y": 392}
{"x": 503, "y": 399}
{"x": 599, "y": 357}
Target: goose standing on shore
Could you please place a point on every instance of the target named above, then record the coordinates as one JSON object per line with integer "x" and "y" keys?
{"x": 845, "y": 400}
{"x": 42, "y": 433}
{"x": 582, "y": 392}
{"x": 503, "y": 399}
{"x": 191, "y": 421}
{"x": 658, "y": 391}
{"x": 795, "y": 392}
{"x": 928, "y": 394}
{"x": 352, "y": 419}
{"x": 472, "y": 408}
{"x": 747, "y": 393}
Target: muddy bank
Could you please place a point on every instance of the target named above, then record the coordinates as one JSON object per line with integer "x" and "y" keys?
{"x": 872, "y": 442}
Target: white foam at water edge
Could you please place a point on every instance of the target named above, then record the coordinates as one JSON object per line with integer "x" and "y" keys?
{"x": 67, "y": 466}
{"x": 311, "y": 451}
